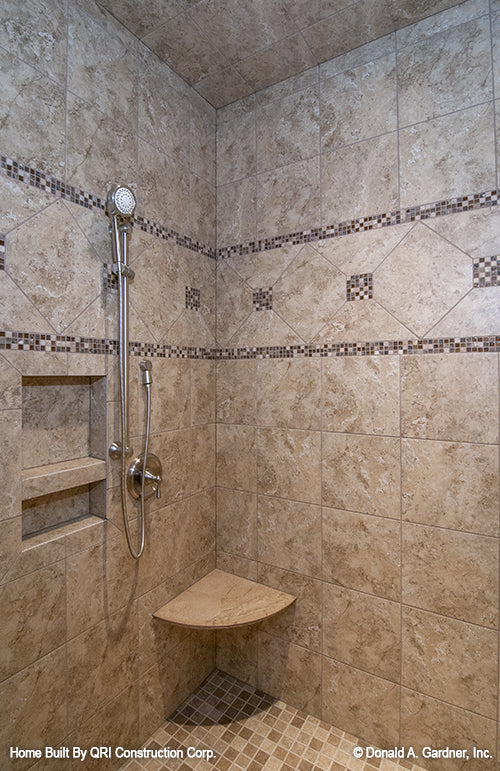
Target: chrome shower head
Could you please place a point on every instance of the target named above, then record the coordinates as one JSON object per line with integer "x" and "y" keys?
{"x": 120, "y": 202}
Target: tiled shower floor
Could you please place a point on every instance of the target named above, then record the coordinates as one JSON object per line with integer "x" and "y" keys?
{"x": 247, "y": 729}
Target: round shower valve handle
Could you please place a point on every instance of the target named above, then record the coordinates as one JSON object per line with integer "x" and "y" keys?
{"x": 152, "y": 477}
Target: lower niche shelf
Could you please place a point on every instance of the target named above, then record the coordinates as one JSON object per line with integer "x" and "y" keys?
{"x": 55, "y": 477}
{"x": 221, "y": 600}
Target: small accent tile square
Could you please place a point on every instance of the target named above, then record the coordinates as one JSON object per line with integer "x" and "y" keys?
{"x": 193, "y": 298}
{"x": 360, "y": 287}
{"x": 109, "y": 278}
{"x": 262, "y": 299}
{"x": 2, "y": 251}
{"x": 485, "y": 272}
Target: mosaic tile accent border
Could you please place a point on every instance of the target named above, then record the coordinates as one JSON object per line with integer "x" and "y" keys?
{"x": 397, "y": 217}
{"x": 109, "y": 279}
{"x": 193, "y": 299}
{"x": 360, "y": 287}
{"x": 2, "y": 251}
{"x": 486, "y": 271}
{"x": 52, "y": 343}
{"x": 46, "y": 182}
{"x": 262, "y": 299}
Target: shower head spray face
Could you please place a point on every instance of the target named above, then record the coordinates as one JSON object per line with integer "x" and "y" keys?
{"x": 120, "y": 202}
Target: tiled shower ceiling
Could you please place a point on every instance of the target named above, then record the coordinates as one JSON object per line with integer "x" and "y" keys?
{"x": 227, "y": 49}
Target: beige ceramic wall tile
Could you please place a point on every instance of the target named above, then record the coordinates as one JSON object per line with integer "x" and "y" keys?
{"x": 372, "y": 170}
{"x": 360, "y": 702}
{"x": 362, "y": 321}
{"x": 237, "y": 212}
{"x": 421, "y": 279}
{"x": 237, "y": 391}
{"x": 426, "y": 722}
{"x": 301, "y": 622}
{"x": 234, "y": 302}
{"x": 289, "y": 535}
{"x": 476, "y": 232}
{"x": 450, "y": 485}
{"x": 359, "y": 103}
{"x": 361, "y": 252}
{"x": 202, "y": 469}
{"x": 203, "y": 382}
{"x": 237, "y": 522}
{"x": 362, "y": 631}
{"x": 201, "y": 220}
{"x": 361, "y": 473}
{"x": 35, "y": 697}
{"x": 476, "y": 315}
{"x": 365, "y": 54}
{"x": 289, "y": 393}
{"x": 236, "y": 146}
{"x": 237, "y": 652}
{"x": 435, "y": 397}
{"x": 450, "y": 660}
{"x": 163, "y": 193}
{"x": 288, "y": 129}
{"x": 288, "y": 464}
{"x": 10, "y": 544}
{"x": 175, "y": 451}
{"x": 445, "y": 72}
{"x": 309, "y": 293}
{"x": 276, "y": 91}
{"x": 236, "y": 462}
{"x": 34, "y": 137}
{"x": 85, "y": 587}
{"x": 202, "y": 148}
{"x": 263, "y": 328}
{"x": 362, "y": 552}
{"x": 10, "y": 386}
{"x": 452, "y": 573}
{"x": 288, "y": 199}
{"x": 262, "y": 269}
{"x": 361, "y": 395}
{"x": 290, "y": 673}
{"x": 19, "y": 202}
{"x": 277, "y": 61}
{"x": 47, "y": 511}
{"x": 446, "y": 16}
{"x": 10, "y": 478}
{"x": 35, "y": 622}
{"x": 446, "y": 156}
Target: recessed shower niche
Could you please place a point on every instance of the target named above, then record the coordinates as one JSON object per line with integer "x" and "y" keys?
{"x": 63, "y": 451}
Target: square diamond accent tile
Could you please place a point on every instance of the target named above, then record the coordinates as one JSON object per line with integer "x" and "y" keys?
{"x": 193, "y": 298}
{"x": 486, "y": 271}
{"x": 360, "y": 287}
{"x": 262, "y": 299}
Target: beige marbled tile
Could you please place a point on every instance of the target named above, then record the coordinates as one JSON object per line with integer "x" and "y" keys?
{"x": 102, "y": 661}
{"x": 201, "y": 525}
{"x": 288, "y": 129}
{"x": 10, "y": 386}
{"x": 299, "y": 624}
{"x": 19, "y": 201}
{"x": 203, "y": 383}
{"x": 139, "y": 23}
{"x": 86, "y": 587}
{"x": 175, "y": 451}
{"x": 237, "y": 391}
{"x": 359, "y": 103}
{"x": 34, "y": 611}
{"x": 476, "y": 315}
{"x": 289, "y": 393}
{"x": 234, "y": 302}
{"x": 362, "y": 631}
{"x": 219, "y": 87}
{"x": 264, "y": 328}
{"x": 237, "y": 212}
{"x": 289, "y": 464}
{"x": 10, "y": 544}
{"x": 362, "y": 552}
{"x": 309, "y": 293}
{"x": 450, "y": 660}
{"x": 37, "y": 363}
{"x": 422, "y": 279}
{"x": 238, "y": 651}
{"x": 435, "y": 397}
{"x": 359, "y": 180}
{"x": 361, "y": 395}
{"x": 17, "y": 311}
{"x": 450, "y": 485}
{"x": 289, "y": 535}
{"x": 441, "y": 158}
{"x": 55, "y": 509}
{"x": 236, "y": 146}
{"x": 263, "y": 269}
{"x": 286, "y": 87}
{"x": 240, "y": 566}
{"x": 290, "y": 673}
{"x": 452, "y": 573}
{"x": 170, "y": 400}
{"x": 361, "y": 473}
{"x": 288, "y": 198}
{"x": 361, "y": 252}
{"x": 445, "y": 72}
{"x": 236, "y": 108}
{"x": 44, "y": 265}
{"x": 361, "y": 703}
{"x": 427, "y": 722}
{"x": 289, "y": 56}
{"x": 236, "y": 461}
{"x": 365, "y": 54}
{"x": 98, "y": 45}
{"x": 237, "y": 523}
{"x": 163, "y": 193}
{"x": 34, "y": 708}
{"x": 362, "y": 321}
{"x": 36, "y": 553}
{"x": 476, "y": 232}
{"x": 10, "y": 478}
{"x": 156, "y": 638}
{"x": 202, "y": 203}
{"x": 445, "y": 16}
{"x": 100, "y": 152}
{"x": 34, "y": 137}
{"x": 190, "y": 330}
{"x": 202, "y": 139}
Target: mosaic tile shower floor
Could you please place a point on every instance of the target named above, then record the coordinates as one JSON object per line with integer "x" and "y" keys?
{"x": 247, "y": 729}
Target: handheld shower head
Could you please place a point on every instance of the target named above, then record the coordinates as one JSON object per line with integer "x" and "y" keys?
{"x": 120, "y": 202}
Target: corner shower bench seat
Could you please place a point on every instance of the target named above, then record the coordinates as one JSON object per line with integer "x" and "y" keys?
{"x": 221, "y": 600}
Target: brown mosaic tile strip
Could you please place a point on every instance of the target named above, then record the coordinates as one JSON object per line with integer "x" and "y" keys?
{"x": 360, "y": 287}
{"x": 109, "y": 279}
{"x": 2, "y": 251}
{"x": 397, "y": 217}
{"x": 193, "y": 299}
{"x": 485, "y": 271}
{"x": 239, "y": 727}
{"x": 262, "y": 299}
{"x": 34, "y": 341}
{"x": 42, "y": 181}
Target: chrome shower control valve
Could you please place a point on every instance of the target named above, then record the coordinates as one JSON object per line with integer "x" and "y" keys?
{"x": 152, "y": 477}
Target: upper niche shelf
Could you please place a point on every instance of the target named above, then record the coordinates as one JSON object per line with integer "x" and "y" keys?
{"x": 221, "y": 600}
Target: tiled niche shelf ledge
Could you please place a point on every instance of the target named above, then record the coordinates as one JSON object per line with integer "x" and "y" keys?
{"x": 55, "y": 477}
{"x": 221, "y": 600}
